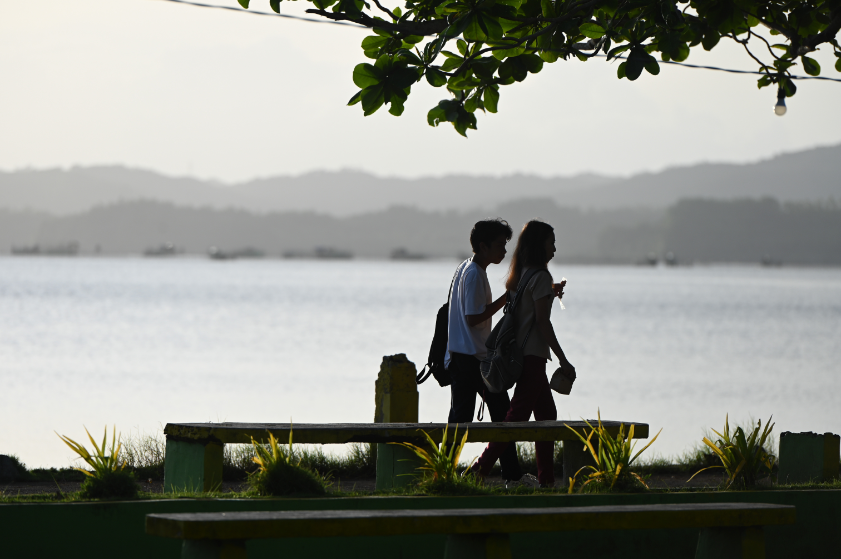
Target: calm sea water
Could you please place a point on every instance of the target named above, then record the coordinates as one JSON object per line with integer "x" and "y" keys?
{"x": 142, "y": 342}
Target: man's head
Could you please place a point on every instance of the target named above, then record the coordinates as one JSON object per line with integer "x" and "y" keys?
{"x": 488, "y": 239}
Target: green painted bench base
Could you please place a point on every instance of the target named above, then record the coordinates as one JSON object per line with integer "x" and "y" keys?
{"x": 728, "y": 530}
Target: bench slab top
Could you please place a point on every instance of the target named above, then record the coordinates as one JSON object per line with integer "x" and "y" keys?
{"x": 283, "y": 524}
{"x": 342, "y": 433}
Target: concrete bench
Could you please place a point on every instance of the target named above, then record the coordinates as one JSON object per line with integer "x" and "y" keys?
{"x": 194, "y": 450}
{"x": 728, "y": 531}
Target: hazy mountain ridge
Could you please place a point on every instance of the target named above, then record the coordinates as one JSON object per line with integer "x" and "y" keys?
{"x": 810, "y": 175}
{"x": 745, "y": 230}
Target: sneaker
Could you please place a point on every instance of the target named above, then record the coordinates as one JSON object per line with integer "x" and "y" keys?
{"x": 527, "y": 480}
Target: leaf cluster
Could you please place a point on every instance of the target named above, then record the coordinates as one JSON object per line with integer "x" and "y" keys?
{"x": 104, "y": 459}
{"x": 743, "y": 456}
{"x": 501, "y": 42}
{"x": 279, "y": 474}
{"x": 440, "y": 462}
{"x": 613, "y": 457}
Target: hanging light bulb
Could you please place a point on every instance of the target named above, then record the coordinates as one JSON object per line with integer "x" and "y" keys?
{"x": 780, "y": 108}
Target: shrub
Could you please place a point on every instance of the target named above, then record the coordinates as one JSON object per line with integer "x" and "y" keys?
{"x": 278, "y": 474}
{"x": 108, "y": 479}
{"x": 440, "y": 470}
{"x": 114, "y": 484}
{"x": 743, "y": 457}
{"x": 613, "y": 459}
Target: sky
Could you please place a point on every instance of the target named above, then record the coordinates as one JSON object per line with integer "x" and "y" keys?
{"x": 231, "y": 96}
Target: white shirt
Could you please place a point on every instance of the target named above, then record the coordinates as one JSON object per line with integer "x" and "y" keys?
{"x": 470, "y": 295}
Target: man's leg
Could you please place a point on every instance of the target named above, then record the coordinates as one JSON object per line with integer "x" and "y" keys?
{"x": 498, "y": 406}
{"x": 462, "y": 389}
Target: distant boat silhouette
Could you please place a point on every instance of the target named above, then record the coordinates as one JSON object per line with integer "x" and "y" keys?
{"x": 403, "y": 254}
{"x": 67, "y": 249}
{"x": 325, "y": 253}
{"x": 165, "y": 249}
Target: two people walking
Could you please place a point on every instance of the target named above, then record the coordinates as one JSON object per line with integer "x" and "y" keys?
{"x": 472, "y": 307}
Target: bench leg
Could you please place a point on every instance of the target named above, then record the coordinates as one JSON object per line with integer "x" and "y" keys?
{"x": 731, "y": 543}
{"x": 478, "y": 546}
{"x": 213, "y": 549}
{"x": 192, "y": 466}
{"x": 397, "y": 467}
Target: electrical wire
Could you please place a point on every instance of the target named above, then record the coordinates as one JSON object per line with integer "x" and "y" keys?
{"x": 272, "y": 14}
{"x": 330, "y": 22}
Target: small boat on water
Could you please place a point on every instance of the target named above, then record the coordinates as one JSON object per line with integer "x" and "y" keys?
{"x": 403, "y": 254}
{"x": 164, "y": 249}
{"x": 67, "y": 249}
{"x": 215, "y": 253}
{"x": 320, "y": 253}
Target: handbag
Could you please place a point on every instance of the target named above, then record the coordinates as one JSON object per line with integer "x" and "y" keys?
{"x": 562, "y": 381}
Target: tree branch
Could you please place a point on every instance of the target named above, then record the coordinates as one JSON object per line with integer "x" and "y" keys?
{"x": 386, "y": 10}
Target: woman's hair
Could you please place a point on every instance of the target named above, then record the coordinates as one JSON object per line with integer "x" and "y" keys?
{"x": 530, "y": 251}
{"x": 489, "y": 230}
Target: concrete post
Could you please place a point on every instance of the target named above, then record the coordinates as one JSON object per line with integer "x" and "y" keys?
{"x": 395, "y": 401}
{"x": 808, "y": 457}
{"x": 192, "y": 465}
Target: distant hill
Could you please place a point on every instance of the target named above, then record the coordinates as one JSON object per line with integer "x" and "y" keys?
{"x": 132, "y": 227}
{"x": 695, "y": 230}
{"x": 811, "y": 175}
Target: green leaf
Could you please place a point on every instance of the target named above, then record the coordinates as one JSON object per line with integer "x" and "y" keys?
{"x": 652, "y": 66}
{"x": 244, "y": 3}
{"x": 763, "y": 82}
{"x": 491, "y": 99}
{"x": 711, "y": 39}
{"x": 374, "y": 42}
{"x": 355, "y": 99}
{"x": 532, "y": 62}
{"x": 811, "y": 66}
{"x": 471, "y": 104}
{"x": 275, "y": 5}
{"x": 620, "y": 72}
{"x": 396, "y": 107}
{"x": 547, "y": 8}
{"x": 435, "y": 116}
{"x": 591, "y": 30}
{"x": 462, "y": 47}
{"x": 635, "y": 63}
{"x": 617, "y": 50}
{"x": 435, "y": 77}
{"x": 324, "y": 4}
{"x": 366, "y": 75}
{"x": 451, "y": 64}
{"x": 789, "y": 87}
{"x": 838, "y": 65}
{"x": 401, "y": 78}
{"x": 372, "y": 99}
{"x": 407, "y": 56}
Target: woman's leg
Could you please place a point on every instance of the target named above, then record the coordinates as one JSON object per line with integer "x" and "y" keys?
{"x": 522, "y": 405}
{"x": 544, "y": 410}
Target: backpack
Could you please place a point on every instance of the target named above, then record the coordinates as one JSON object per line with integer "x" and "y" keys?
{"x": 438, "y": 349}
{"x": 502, "y": 366}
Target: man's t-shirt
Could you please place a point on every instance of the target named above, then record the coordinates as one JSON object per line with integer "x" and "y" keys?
{"x": 535, "y": 293}
{"x": 470, "y": 295}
